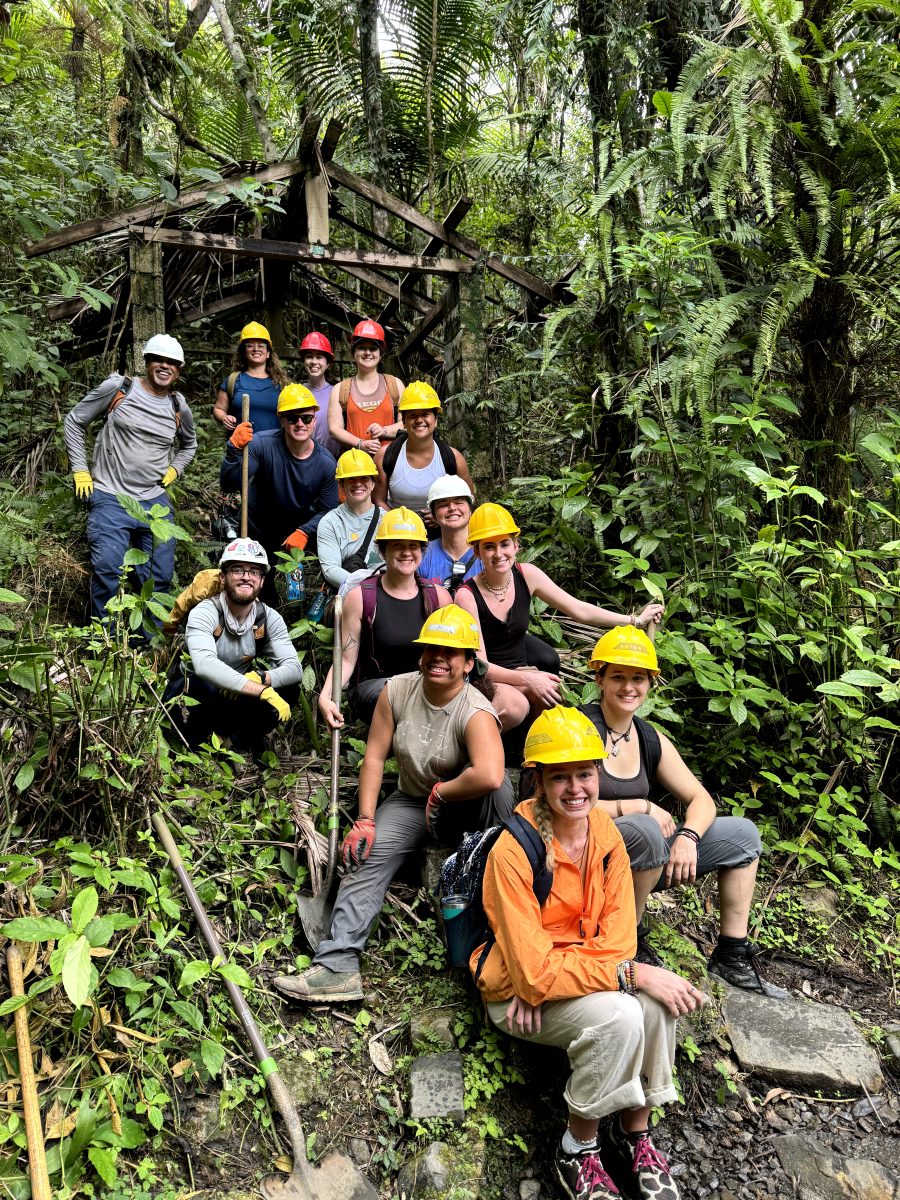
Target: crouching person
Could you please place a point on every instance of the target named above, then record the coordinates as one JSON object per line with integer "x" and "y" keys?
{"x": 565, "y": 974}
{"x": 244, "y": 673}
{"x": 445, "y": 736}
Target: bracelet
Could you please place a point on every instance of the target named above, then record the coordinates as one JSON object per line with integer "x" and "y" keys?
{"x": 692, "y": 834}
{"x": 359, "y": 444}
{"x": 632, "y": 620}
{"x": 625, "y": 977}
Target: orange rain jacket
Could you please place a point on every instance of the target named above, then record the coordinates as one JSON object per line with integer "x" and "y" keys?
{"x": 572, "y": 946}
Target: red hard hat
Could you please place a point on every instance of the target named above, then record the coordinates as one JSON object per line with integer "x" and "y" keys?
{"x": 368, "y": 331}
{"x": 317, "y": 341}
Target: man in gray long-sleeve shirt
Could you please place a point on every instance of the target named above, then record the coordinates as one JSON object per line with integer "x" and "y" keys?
{"x": 144, "y": 419}
{"x": 237, "y": 696}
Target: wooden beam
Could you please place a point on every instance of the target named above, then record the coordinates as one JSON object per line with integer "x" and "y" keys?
{"x": 223, "y": 304}
{"x": 328, "y": 145}
{"x": 382, "y": 283}
{"x": 309, "y": 131}
{"x": 422, "y": 330}
{"x": 450, "y": 222}
{"x": 157, "y": 210}
{"x": 457, "y": 241}
{"x": 301, "y": 252}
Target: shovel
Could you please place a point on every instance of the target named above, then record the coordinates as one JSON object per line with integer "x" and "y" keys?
{"x": 245, "y": 465}
{"x": 315, "y": 911}
{"x": 298, "y": 1185}
{"x": 34, "y": 1135}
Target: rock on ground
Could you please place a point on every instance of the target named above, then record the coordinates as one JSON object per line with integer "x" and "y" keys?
{"x": 821, "y": 1175}
{"x": 436, "y": 1083}
{"x": 800, "y": 1044}
{"x": 336, "y": 1178}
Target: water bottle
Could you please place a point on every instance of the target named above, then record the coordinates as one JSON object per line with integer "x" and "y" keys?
{"x": 296, "y": 591}
{"x": 315, "y": 610}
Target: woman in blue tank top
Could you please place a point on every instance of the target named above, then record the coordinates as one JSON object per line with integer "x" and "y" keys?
{"x": 259, "y": 374}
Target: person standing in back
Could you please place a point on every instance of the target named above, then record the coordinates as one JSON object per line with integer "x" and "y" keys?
{"x": 361, "y": 409}
{"x": 256, "y": 371}
{"x": 317, "y": 356}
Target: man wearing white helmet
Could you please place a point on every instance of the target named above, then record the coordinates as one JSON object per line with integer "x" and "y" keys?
{"x": 144, "y": 420}
{"x": 450, "y": 559}
{"x": 244, "y": 674}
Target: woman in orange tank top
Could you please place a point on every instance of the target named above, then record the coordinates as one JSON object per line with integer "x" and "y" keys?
{"x": 361, "y": 409}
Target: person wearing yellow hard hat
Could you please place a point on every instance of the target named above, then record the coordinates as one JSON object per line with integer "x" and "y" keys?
{"x": 444, "y": 734}
{"x": 382, "y": 617}
{"x": 292, "y": 482}
{"x": 257, "y": 371}
{"x": 416, "y": 458}
{"x": 361, "y": 409}
{"x": 559, "y": 969}
{"x": 664, "y": 853}
{"x": 500, "y": 599}
{"x": 346, "y": 535}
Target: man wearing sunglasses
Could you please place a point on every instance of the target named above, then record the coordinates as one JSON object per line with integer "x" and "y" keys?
{"x": 292, "y": 482}
{"x": 144, "y": 420}
{"x": 244, "y": 673}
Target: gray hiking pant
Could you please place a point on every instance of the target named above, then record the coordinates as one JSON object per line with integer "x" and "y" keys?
{"x": 399, "y": 830}
{"x": 729, "y": 842}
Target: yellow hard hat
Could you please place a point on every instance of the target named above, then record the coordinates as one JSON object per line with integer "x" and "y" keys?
{"x": 417, "y": 396}
{"x": 295, "y": 396}
{"x": 401, "y": 525}
{"x": 355, "y": 463}
{"x": 626, "y": 646}
{"x": 490, "y": 521}
{"x": 562, "y": 735}
{"x": 450, "y": 626}
{"x": 254, "y": 332}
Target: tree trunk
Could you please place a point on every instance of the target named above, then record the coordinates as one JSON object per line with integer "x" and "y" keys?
{"x": 245, "y": 81}
{"x": 373, "y": 110}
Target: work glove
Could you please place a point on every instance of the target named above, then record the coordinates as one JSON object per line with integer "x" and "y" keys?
{"x": 297, "y": 540}
{"x": 242, "y": 436}
{"x": 358, "y": 843}
{"x": 432, "y": 804}
{"x": 84, "y": 485}
{"x": 271, "y": 697}
{"x": 252, "y": 676}
{"x": 170, "y": 476}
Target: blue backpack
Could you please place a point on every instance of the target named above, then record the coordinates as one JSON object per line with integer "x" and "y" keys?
{"x": 462, "y": 875}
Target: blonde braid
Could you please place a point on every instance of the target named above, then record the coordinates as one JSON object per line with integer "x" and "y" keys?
{"x": 542, "y": 815}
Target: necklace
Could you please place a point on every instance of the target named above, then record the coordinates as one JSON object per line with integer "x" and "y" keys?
{"x": 499, "y": 592}
{"x": 615, "y": 738}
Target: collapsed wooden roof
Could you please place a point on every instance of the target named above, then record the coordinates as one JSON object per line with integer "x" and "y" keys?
{"x": 218, "y": 256}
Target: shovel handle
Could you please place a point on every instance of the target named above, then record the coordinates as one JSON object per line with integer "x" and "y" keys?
{"x": 337, "y": 673}
{"x": 245, "y": 466}
{"x": 37, "y": 1159}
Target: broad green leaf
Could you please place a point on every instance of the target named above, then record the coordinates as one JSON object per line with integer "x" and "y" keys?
{"x": 12, "y": 1004}
{"x": 83, "y": 908}
{"x": 8, "y": 597}
{"x": 213, "y": 1056}
{"x": 863, "y": 678}
{"x": 193, "y": 972}
{"x": 35, "y": 929}
{"x": 878, "y": 445}
{"x": 76, "y": 972}
{"x": 662, "y": 102}
{"x": 738, "y": 710}
{"x": 836, "y": 688}
{"x": 235, "y": 974}
{"x": 104, "y": 1163}
{"x": 24, "y": 777}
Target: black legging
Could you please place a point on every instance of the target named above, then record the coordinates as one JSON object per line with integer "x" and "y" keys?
{"x": 541, "y": 656}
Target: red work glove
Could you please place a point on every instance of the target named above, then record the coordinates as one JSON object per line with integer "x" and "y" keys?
{"x": 297, "y": 540}
{"x": 358, "y": 843}
{"x": 242, "y": 436}
{"x": 432, "y": 804}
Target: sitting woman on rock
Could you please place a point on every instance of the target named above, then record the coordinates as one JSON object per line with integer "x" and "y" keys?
{"x": 564, "y": 974}
{"x": 662, "y": 853}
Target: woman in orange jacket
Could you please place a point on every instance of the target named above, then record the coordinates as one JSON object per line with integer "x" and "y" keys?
{"x": 564, "y": 974}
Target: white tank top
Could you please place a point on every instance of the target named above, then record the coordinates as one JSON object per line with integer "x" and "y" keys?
{"x": 409, "y": 485}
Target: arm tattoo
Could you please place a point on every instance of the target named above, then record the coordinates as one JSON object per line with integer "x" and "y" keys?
{"x": 351, "y": 641}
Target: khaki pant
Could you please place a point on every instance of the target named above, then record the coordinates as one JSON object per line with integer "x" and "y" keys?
{"x": 621, "y": 1049}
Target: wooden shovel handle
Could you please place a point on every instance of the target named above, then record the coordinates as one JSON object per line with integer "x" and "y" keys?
{"x": 37, "y": 1159}
{"x": 245, "y": 467}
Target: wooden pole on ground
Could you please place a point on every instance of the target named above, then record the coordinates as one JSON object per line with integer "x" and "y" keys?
{"x": 245, "y": 466}
{"x": 37, "y": 1159}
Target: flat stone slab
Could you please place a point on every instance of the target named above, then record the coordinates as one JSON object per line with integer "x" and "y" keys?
{"x": 336, "y": 1178}
{"x": 821, "y": 1175}
{"x": 800, "y": 1044}
{"x": 436, "y": 1083}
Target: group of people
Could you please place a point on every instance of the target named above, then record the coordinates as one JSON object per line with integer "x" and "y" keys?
{"x": 438, "y": 663}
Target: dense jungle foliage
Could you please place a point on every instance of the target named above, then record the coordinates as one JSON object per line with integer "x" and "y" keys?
{"x": 708, "y": 417}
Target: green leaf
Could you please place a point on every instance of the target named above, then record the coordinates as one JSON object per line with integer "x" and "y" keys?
{"x": 24, "y": 776}
{"x": 235, "y": 974}
{"x": 12, "y": 1004}
{"x": 194, "y": 971}
{"x": 878, "y": 445}
{"x": 213, "y": 1056}
{"x": 738, "y": 710}
{"x": 8, "y": 597}
{"x": 76, "y": 972}
{"x": 104, "y": 1163}
{"x": 132, "y": 1134}
{"x": 864, "y": 678}
{"x": 35, "y": 929}
{"x": 836, "y": 688}
{"x": 83, "y": 908}
{"x": 662, "y": 102}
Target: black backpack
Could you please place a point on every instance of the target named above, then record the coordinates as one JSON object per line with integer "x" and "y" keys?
{"x": 463, "y": 875}
{"x": 448, "y": 458}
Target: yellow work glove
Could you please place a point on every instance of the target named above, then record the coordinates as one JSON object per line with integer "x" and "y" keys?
{"x": 170, "y": 476}
{"x": 252, "y": 677}
{"x": 271, "y": 697}
{"x": 84, "y": 485}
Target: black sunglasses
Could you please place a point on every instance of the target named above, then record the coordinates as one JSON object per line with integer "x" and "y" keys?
{"x": 292, "y": 418}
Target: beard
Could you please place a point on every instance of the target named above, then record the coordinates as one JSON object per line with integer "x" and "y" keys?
{"x": 230, "y": 589}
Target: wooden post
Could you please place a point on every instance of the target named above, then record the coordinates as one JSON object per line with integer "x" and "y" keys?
{"x": 148, "y": 306}
{"x": 464, "y": 339}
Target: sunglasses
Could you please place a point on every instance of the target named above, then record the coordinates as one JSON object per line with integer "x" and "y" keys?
{"x": 293, "y": 418}
{"x": 164, "y": 362}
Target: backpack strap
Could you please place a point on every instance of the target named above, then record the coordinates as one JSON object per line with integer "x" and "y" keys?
{"x": 126, "y": 386}
{"x": 648, "y": 738}
{"x": 393, "y": 386}
{"x": 389, "y": 461}
{"x": 448, "y": 458}
{"x": 344, "y": 393}
{"x": 231, "y": 384}
{"x": 370, "y": 533}
{"x": 259, "y": 624}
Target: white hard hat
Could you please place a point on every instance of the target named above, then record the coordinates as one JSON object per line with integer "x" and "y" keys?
{"x": 449, "y": 487}
{"x": 244, "y": 550}
{"x": 165, "y": 347}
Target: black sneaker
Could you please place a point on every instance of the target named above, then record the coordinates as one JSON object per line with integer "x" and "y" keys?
{"x": 583, "y": 1176}
{"x": 738, "y": 966}
{"x": 645, "y": 952}
{"x": 647, "y": 1167}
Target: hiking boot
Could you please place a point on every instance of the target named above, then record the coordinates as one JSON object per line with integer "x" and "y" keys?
{"x": 648, "y": 1168}
{"x": 738, "y": 966}
{"x": 320, "y": 985}
{"x": 583, "y": 1176}
{"x": 645, "y": 952}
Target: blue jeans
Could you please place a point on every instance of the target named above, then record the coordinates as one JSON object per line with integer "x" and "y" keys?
{"x": 110, "y": 533}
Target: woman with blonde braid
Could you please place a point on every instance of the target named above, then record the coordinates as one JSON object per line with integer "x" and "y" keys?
{"x": 564, "y": 974}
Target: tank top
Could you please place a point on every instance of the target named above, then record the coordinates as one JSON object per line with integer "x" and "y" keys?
{"x": 635, "y": 788}
{"x": 409, "y": 485}
{"x": 504, "y": 641}
{"x": 396, "y": 624}
{"x": 357, "y": 420}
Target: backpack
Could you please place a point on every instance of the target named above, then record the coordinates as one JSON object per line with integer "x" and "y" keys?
{"x": 448, "y": 458}
{"x": 231, "y": 384}
{"x": 463, "y": 875}
{"x": 648, "y": 738}
{"x": 390, "y": 381}
{"x": 125, "y": 387}
{"x": 207, "y": 585}
{"x": 369, "y": 588}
